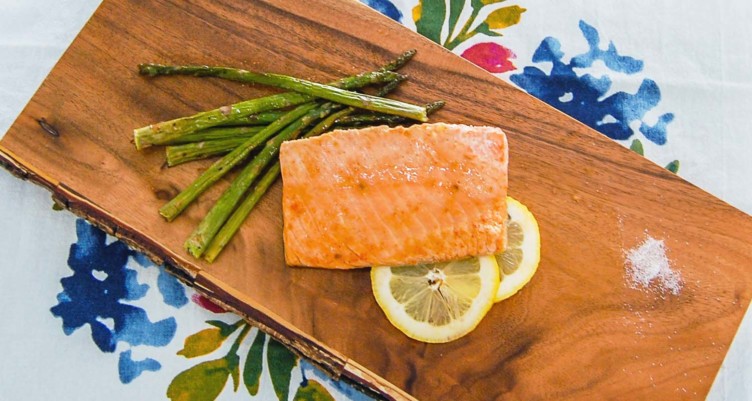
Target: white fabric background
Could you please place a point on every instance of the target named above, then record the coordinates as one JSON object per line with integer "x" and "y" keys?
{"x": 698, "y": 52}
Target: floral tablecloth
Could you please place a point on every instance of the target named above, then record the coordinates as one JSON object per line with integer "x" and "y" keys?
{"x": 84, "y": 317}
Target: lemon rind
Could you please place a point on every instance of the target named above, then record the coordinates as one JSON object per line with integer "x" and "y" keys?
{"x": 513, "y": 283}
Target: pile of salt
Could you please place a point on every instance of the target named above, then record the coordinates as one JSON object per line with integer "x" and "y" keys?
{"x": 648, "y": 266}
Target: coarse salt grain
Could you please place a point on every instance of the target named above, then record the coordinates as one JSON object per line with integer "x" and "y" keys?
{"x": 648, "y": 267}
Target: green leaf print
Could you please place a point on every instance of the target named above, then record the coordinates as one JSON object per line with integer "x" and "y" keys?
{"x": 455, "y": 9}
{"x": 312, "y": 391}
{"x": 504, "y": 17}
{"x": 254, "y": 364}
{"x": 202, "y": 382}
{"x": 636, "y": 147}
{"x": 281, "y": 362}
{"x": 225, "y": 328}
{"x": 673, "y": 167}
{"x": 202, "y": 343}
{"x": 429, "y": 18}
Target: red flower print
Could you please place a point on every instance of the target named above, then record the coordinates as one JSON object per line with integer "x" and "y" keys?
{"x": 491, "y": 57}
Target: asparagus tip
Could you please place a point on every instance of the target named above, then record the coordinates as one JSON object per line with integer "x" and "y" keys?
{"x": 434, "y": 106}
{"x": 400, "y": 61}
{"x": 150, "y": 70}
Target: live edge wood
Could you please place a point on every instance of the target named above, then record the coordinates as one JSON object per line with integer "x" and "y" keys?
{"x": 576, "y": 332}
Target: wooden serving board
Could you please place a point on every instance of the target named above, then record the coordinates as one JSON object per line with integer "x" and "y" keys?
{"x": 576, "y": 332}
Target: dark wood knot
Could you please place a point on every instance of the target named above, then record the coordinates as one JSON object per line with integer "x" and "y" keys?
{"x": 48, "y": 128}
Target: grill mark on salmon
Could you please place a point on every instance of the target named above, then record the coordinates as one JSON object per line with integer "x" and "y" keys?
{"x": 394, "y": 196}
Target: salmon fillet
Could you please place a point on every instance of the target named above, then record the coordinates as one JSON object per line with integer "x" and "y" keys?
{"x": 383, "y": 196}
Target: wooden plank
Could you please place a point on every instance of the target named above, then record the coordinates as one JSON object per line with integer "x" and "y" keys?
{"x": 577, "y": 331}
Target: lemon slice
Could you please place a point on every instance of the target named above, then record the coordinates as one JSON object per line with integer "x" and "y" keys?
{"x": 440, "y": 302}
{"x": 518, "y": 263}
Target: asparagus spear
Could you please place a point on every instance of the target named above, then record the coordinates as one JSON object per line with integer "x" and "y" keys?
{"x": 211, "y": 134}
{"x": 237, "y": 218}
{"x": 370, "y": 119}
{"x": 211, "y": 224}
{"x": 229, "y": 114}
{"x": 328, "y": 92}
{"x": 200, "y": 150}
{"x": 376, "y": 119}
{"x": 169, "y": 130}
{"x": 174, "y": 207}
{"x": 248, "y": 77}
{"x": 264, "y": 118}
{"x": 179, "y": 154}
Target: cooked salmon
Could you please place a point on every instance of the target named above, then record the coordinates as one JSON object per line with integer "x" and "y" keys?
{"x": 394, "y": 196}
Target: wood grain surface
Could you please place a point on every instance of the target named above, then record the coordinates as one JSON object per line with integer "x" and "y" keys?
{"x": 576, "y": 332}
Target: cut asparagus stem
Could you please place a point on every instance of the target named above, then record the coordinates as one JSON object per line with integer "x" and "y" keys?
{"x": 211, "y": 134}
{"x": 229, "y": 114}
{"x": 211, "y": 224}
{"x": 179, "y": 154}
{"x": 264, "y": 118}
{"x": 237, "y": 218}
{"x": 328, "y": 92}
{"x": 174, "y": 207}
